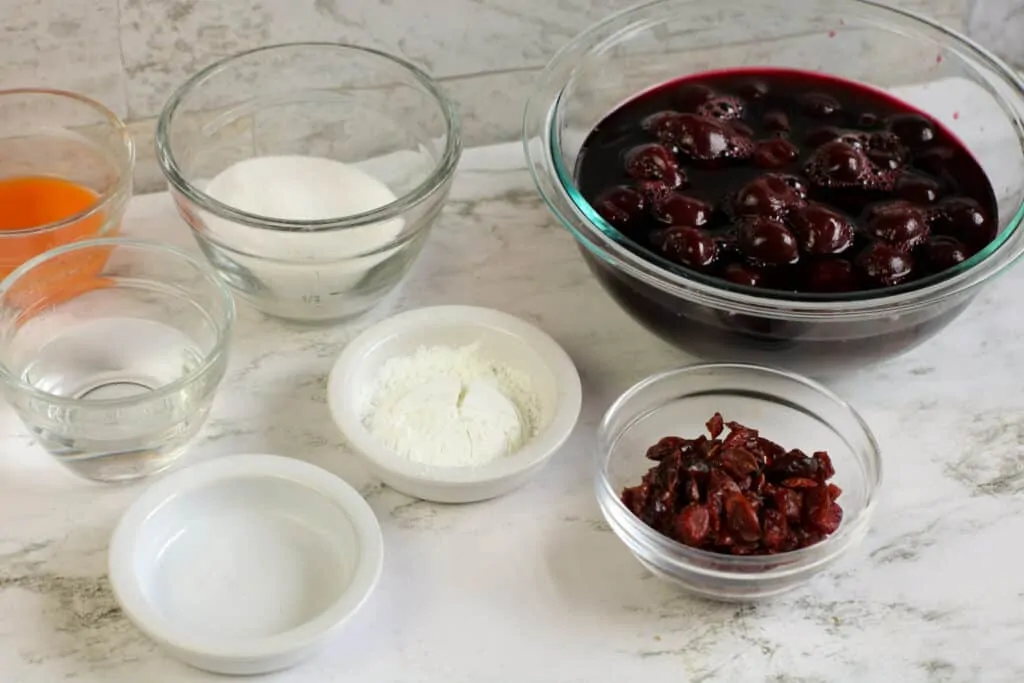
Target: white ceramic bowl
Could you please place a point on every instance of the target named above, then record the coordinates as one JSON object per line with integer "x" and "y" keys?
{"x": 244, "y": 564}
{"x": 501, "y": 337}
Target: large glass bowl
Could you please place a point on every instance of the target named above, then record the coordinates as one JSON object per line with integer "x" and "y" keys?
{"x": 377, "y": 113}
{"x": 853, "y": 39}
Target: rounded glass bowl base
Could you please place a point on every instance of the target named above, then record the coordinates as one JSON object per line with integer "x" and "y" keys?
{"x": 817, "y": 349}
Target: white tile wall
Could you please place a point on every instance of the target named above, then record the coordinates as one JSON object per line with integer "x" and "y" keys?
{"x": 69, "y": 44}
{"x": 131, "y": 53}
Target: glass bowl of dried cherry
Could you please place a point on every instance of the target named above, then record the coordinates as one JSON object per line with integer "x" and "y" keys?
{"x": 815, "y": 185}
{"x": 736, "y": 482}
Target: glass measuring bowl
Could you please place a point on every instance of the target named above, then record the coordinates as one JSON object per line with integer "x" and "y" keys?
{"x": 66, "y": 167}
{"x": 339, "y": 102}
{"x": 111, "y": 351}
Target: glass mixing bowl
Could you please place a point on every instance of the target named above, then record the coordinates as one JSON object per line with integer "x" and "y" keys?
{"x": 65, "y": 157}
{"x": 857, "y": 40}
{"x": 111, "y": 351}
{"x": 792, "y": 411}
{"x": 373, "y": 111}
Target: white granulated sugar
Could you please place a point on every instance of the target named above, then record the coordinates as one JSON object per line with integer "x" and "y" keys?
{"x": 302, "y": 188}
{"x": 451, "y": 407}
{"x": 315, "y": 267}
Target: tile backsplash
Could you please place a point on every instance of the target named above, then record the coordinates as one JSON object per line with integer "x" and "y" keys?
{"x": 130, "y": 54}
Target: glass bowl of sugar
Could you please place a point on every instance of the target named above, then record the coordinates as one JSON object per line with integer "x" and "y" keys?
{"x": 310, "y": 173}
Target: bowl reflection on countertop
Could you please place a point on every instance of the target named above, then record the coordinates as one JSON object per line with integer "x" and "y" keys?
{"x": 852, "y": 39}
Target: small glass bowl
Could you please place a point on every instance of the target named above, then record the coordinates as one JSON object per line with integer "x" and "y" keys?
{"x": 57, "y": 135}
{"x": 111, "y": 351}
{"x": 373, "y": 111}
{"x": 793, "y": 411}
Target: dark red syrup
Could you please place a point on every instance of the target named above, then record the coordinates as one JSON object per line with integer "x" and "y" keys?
{"x": 785, "y": 184}
{"x": 788, "y": 181}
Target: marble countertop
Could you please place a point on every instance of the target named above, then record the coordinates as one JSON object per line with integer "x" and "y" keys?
{"x": 533, "y": 586}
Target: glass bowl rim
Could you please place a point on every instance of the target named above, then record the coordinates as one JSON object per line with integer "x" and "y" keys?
{"x": 607, "y": 244}
{"x": 224, "y": 324}
{"x": 125, "y": 168}
{"x": 442, "y": 171}
{"x": 694, "y": 558}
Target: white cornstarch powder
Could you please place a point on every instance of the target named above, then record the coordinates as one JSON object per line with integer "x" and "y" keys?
{"x": 451, "y": 407}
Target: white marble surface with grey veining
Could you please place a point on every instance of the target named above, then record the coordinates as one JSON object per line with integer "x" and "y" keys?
{"x": 533, "y": 586}
{"x": 998, "y": 25}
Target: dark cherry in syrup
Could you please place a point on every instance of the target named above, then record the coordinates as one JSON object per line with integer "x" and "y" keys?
{"x": 768, "y": 242}
{"x": 621, "y": 206}
{"x": 787, "y": 180}
{"x": 965, "y": 219}
{"x": 884, "y": 265}
{"x": 654, "y": 162}
{"x": 689, "y": 246}
{"x": 944, "y": 252}
{"x": 769, "y": 196}
{"x": 917, "y": 189}
{"x": 898, "y": 223}
{"x": 831, "y": 276}
{"x": 775, "y": 153}
{"x": 679, "y": 209}
{"x": 821, "y": 231}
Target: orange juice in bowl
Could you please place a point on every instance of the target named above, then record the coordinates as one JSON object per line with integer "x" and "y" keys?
{"x": 66, "y": 167}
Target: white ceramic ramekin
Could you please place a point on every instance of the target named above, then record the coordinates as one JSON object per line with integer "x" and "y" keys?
{"x": 500, "y": 337}
{"x": 244, "y": 564}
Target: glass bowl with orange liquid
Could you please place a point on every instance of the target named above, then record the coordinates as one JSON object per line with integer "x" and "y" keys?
{"x": 66, "y": 167}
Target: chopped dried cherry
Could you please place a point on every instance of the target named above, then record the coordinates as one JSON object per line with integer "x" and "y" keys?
{"x": 720, "y": 483}
{"x": 715, "y": 425}
{"x": 741, "y": 517}
{"x": 666, "y": 447}
{"x": 825, "y": 469}
{"x": 821, "y": 513}
{"x": 692, "y": 490}
{"x": 744, "y": 549}
{"x": 768, "y": 449}
{"x": 775, "y": 531}
{"x": 827, "y": 520}
{"x": 738, "y": 462}
{"x": 794, "y": 463}
{"x": 693, "y": 524}
{"x": 696, "y": 466}
{"x": 799, "y": 483}
{"x": 789, "y": 502}
{"x": 740, "y": 494}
